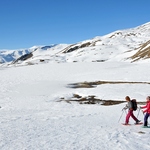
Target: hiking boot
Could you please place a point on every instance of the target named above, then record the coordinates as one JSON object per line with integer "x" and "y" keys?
{"x": 145, "y": 126}
{"x": 138, "y": 121}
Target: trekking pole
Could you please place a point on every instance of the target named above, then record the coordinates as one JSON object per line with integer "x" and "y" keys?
{"x": 138, "y": 113}
{"x": 126, "y": 111}
{"x": 121, "y": 115}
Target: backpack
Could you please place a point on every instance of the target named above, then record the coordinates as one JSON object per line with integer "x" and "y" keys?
{"x": 134, "y": 104}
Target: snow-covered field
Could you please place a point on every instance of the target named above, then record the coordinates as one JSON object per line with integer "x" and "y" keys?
{"x": 32, "y": 118}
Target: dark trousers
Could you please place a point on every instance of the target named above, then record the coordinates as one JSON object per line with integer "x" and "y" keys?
{"x": 146, "y": 118}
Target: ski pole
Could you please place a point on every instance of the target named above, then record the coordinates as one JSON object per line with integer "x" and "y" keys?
{"x": 121, "y": 115}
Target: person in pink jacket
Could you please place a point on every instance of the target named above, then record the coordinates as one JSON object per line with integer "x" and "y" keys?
{"x": 147, "y": 111}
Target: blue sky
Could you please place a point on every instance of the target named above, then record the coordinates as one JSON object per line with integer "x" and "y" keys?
{"x": 26, "y": 23}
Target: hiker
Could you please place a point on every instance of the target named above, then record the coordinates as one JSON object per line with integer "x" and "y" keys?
{"x": 147, "y": 111}
{"x": 130, "y": 111}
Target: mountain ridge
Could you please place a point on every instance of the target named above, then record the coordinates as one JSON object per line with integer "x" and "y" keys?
{"x": 122, "y": 45}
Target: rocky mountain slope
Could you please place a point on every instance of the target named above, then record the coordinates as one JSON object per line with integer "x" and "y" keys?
{"x": 122, "y": 45}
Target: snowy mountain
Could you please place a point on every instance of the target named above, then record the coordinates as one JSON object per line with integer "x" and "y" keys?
{"x": 122, "y": 45}
{"x": 10, "y": 55}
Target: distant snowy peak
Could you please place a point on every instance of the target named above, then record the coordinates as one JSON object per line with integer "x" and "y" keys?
{"x": 16, "y": 56}
{"x": 10, "y": 55}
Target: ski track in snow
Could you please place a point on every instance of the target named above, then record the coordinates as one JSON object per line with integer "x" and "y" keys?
{"x": 32, "y": 119}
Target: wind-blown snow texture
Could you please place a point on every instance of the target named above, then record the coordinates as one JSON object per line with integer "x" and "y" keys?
{"x": 34, "y": 118}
